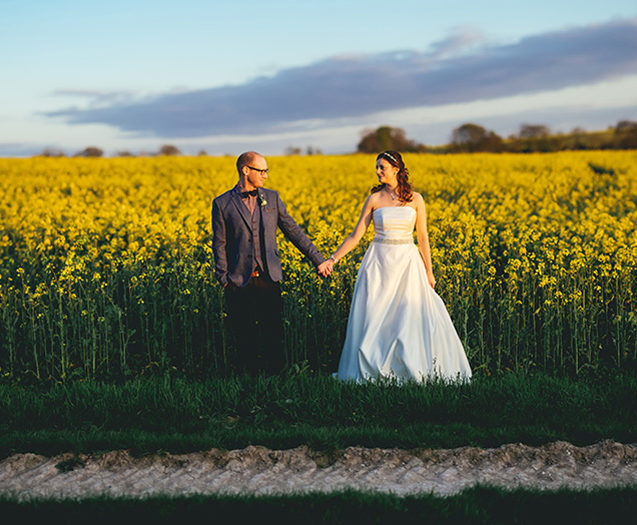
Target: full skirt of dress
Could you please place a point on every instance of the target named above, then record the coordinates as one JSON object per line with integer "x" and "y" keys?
{"x": 398, "y": 326}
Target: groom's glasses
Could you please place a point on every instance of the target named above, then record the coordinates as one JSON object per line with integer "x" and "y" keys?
{"x": 262, "y": 172}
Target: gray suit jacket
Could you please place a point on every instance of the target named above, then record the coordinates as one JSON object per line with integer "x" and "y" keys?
{"x": 232, "y": 239}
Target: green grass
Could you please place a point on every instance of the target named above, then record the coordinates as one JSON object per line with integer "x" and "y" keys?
{"x": 177, "y": 415}
{"x": 476, "y": 505}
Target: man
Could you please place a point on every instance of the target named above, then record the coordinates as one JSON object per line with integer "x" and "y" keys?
{"x": 247, "y": 264}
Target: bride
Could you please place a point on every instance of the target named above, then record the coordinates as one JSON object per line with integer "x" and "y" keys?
{"x": 398, "y": 326}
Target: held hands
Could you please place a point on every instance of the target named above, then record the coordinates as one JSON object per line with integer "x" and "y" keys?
{"x": 326, "y": 267}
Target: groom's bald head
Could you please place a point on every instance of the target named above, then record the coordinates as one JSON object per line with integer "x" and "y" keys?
{"x": 247, "y": 158}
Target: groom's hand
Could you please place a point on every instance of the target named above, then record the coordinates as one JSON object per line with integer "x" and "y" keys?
{"x": 325, "y": 268}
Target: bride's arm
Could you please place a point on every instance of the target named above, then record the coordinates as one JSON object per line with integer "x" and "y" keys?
{"x": 359, "y": 230}
{"x": 423, "y": 237}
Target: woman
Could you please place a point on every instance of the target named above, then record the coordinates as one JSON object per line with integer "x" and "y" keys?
{"x": 398, "y": 326}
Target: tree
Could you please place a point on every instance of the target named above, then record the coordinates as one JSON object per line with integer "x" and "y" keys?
{"x": 536, "y": 137}
{"x": 472, "y": 137}
{"x": 52, "y": 152}
{"x": 626, "y": 134}
{"x": 534, "y": 131}
{"x": 625, "y": 125}
{"x": 169, "y": 150}
{"x": 468, "y": 135}
{"x": 90, "y": 151}
{"x": 387, "y": 138}
{"x": 292, "y": 150}
{"x": 493, "y": 143}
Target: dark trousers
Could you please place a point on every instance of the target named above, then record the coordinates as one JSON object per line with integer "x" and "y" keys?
{"x": 254, "y": 315}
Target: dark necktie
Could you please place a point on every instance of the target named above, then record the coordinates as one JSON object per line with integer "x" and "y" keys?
{"x": 246, "y": 194}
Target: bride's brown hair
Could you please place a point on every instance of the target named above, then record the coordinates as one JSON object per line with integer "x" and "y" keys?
{"x": 404, "y": 186}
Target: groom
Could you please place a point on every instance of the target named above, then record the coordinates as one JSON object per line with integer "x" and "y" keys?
{"x": 247, "y": 264}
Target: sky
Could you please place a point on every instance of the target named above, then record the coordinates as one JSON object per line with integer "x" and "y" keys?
{"x": 225, "y": 77}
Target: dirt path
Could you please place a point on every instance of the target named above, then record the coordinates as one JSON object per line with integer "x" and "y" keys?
{"x": 258, "y": 470}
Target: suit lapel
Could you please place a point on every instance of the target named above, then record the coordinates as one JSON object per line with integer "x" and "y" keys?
{"x": 265, "y": 217}
{"x": 243, "y": 209}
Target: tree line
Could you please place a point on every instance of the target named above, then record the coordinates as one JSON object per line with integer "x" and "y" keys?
{"x": 530, "y": 138}
{"x": 94, "y": 151}
{"x": 467, "y": 138}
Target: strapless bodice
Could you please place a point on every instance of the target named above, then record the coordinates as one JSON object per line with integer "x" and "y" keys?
{"x": 394, "y": 224}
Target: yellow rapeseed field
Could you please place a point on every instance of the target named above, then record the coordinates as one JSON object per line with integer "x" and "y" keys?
{"x": 106, "y": 264}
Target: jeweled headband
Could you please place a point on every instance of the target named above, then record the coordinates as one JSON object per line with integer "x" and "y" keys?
{"x": 388, "y": 155}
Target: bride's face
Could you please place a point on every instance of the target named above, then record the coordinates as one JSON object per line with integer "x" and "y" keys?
{"x": 386, "y": 173}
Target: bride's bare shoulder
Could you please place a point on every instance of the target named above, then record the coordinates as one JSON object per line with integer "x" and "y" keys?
{"x": 373, "y": 198}
{"x": 417, "y": 198}
{"x": 370, "y": 203}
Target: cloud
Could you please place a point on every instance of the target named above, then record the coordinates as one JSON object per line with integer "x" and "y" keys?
{"x": 97, "y": 98}
{"x": 454, "y": 70}
{"x": 460, "y": 39}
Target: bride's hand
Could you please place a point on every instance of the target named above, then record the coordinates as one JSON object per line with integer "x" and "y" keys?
{"x": 325, "y": 268}
{"x": 431, "y": 279}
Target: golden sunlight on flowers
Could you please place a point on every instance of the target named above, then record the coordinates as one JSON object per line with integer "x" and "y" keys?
{"x": 108, "y": 263}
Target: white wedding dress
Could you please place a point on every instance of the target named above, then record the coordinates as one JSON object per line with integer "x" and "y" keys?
{"x": 398, "y": 326}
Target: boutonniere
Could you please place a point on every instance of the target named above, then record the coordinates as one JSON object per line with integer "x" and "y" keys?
{"x": 261, "y": 199}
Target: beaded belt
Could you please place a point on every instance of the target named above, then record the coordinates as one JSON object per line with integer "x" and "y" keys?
{"x": 393, "y": 241}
